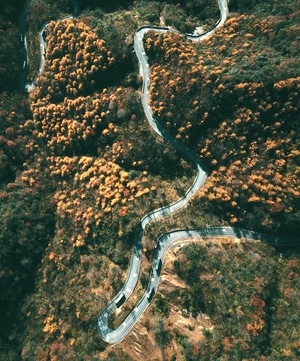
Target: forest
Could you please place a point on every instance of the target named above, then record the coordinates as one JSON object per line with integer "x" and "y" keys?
{"x": 80, "y": 166}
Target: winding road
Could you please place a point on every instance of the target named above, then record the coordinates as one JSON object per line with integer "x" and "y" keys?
{"x": 164, "y": 241}
{"x": 22, "y": 85}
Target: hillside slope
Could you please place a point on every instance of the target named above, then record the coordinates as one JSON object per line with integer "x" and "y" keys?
{"x": 79, "y": 167}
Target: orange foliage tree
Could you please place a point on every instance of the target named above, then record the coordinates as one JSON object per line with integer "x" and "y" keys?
{"x": 239, "y": 112}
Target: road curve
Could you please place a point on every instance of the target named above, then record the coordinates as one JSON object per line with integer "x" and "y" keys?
{"x": 163, "y": 241}
{"x": 22, "y": 86}
{"x": 117, "y": 335}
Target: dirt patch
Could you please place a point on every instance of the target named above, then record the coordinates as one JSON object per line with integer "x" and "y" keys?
{"x": 141, "y": 343}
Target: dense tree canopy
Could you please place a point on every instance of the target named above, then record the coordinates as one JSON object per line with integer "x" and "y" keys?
{"x": 240, "y": 112}
{"x": 79, "y": 167}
